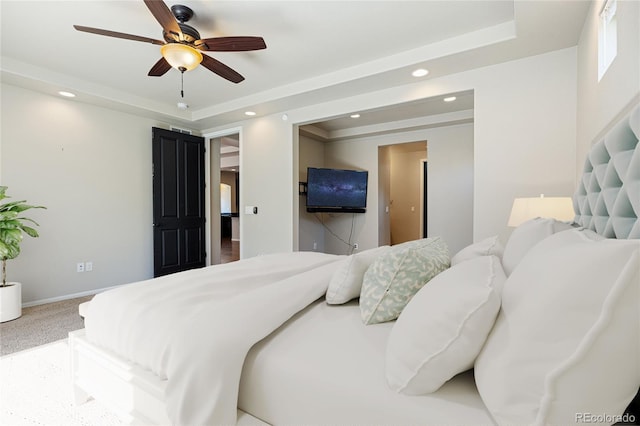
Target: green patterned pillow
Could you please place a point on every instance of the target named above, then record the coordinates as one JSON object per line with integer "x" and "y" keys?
{"x": 396, "y": 276}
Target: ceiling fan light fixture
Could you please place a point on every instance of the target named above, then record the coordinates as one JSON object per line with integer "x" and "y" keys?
{"x": 181, "y": 56}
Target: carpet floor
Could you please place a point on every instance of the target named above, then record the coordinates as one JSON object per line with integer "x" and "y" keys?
{"x": 36, "y": 390}
{"x": 41, "y": 324}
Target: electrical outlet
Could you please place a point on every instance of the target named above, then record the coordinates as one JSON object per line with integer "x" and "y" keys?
{"x": 88, "y": 266}
{"x": 80, "y": 267}
{"x": 355, "y": 246}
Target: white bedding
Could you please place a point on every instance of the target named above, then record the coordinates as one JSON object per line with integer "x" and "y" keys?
{"x": 194, "y": 328}
{"x": 325, "y": 367}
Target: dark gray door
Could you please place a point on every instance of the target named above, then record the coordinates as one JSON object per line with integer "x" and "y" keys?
{"x": 178, "y": 202}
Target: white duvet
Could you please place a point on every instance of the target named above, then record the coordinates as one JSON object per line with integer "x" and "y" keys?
{"x": 195, "y": 328}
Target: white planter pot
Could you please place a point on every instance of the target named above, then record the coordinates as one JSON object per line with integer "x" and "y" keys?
{"x": 10, "y": 302}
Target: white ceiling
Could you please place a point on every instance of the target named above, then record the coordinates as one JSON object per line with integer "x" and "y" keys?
{"x": 318, "y": 49}
{"x": 427, "y": 112}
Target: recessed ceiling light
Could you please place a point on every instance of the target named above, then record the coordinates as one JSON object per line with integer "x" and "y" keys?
{"x": 449, "y": 99}
{"x": 250, "y": 113}
{"x": 420, "y": 72}
{"x": 355, "y": 116}
{"x": 66, "y": 94}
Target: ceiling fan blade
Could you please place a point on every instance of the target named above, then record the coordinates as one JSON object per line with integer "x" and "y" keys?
{"x": 163, "y": 15}
{"x": 160, "y": 68}
{"x": 231, "y": 44}
{"x": 117, "y": 35}
{"x": 221, "y": 69}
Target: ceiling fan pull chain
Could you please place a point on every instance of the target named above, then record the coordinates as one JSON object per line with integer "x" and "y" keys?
{"x": 182, "y": 70}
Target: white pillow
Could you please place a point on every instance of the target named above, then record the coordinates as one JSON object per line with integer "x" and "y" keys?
{"x": 567, "y": 339}
{"x": 442, "y": 329}
{"x": 527, "y": 235}
{"x": 346, "y": 281}
{"x": 488, "y": 247}
{"x": 396, "y": 276}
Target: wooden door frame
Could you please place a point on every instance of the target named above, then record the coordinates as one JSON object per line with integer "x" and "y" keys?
{"x": 209, "y": 171}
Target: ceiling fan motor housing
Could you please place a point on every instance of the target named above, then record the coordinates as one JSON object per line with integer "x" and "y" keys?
{"x": 182, "y": 14}
{"x": 190, "y": 34}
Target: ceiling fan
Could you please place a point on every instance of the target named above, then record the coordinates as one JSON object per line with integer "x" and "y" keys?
{"x": 182, "y": 44}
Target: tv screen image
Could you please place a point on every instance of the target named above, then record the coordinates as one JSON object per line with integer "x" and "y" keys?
{"x": 336, "y": 190}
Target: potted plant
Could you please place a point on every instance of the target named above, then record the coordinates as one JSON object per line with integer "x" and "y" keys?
{"x": 12, "y": 227}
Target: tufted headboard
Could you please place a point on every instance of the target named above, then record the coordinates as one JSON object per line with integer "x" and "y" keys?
{"x": 607, "y": 199}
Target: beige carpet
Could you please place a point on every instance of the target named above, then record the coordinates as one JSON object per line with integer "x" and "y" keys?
{"x": 41, "y": 324}
{"x": 35, "y": 389}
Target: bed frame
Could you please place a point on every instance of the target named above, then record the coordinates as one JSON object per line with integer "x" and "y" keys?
{"x": 134, "y": 394}
{"x": 607, "y": 201}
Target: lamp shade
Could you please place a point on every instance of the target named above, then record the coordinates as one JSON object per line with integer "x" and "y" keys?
{"x": 523, "y": 209}
{"x": 181, "y": 56}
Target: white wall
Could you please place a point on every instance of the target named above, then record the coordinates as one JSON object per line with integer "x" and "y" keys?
{"x": 450, "y": 187}
{"x": 384, "y": 197}
{"x": 600, "y": 102}
{"x": 98, "y": 189}
{"x": 310, "y": 231}
{"x": 363, "y": 153}
{"x": 524, "y": 145}
{"x": 524, "y": 135}
{"x": 267, "y": 181}
{"x": 91, "y": 168}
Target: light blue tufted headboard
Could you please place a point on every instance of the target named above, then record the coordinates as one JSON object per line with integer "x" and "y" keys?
{"x": 607, "y": 199}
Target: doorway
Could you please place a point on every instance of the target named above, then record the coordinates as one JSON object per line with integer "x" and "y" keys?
{"x": 404, "y": 171}
{"x": 224, "y": 197}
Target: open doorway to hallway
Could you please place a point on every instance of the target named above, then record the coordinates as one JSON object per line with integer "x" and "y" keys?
{"x": 402, "y": 178}
{"x": 225, "y": 198}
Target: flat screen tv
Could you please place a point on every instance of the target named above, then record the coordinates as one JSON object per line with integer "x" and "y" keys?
{"x": 335, "y": 190}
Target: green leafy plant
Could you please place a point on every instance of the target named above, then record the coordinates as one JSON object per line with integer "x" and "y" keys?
{"x": 12, "y": 227}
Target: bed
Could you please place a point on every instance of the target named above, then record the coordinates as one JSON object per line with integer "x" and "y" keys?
{"x": 542, "y": 330}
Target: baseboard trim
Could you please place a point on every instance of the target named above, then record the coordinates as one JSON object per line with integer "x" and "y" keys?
{"x": 66, "y": 297}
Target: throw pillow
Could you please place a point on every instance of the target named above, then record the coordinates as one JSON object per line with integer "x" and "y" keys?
{"x": 442, "y": 329}
{"x": 346, "y": 281}
{"x": 393, "y": 278}
{"x": 527, "y": 235}
{"x": 566, "y": 340}
{"x": 488, "y": 247}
